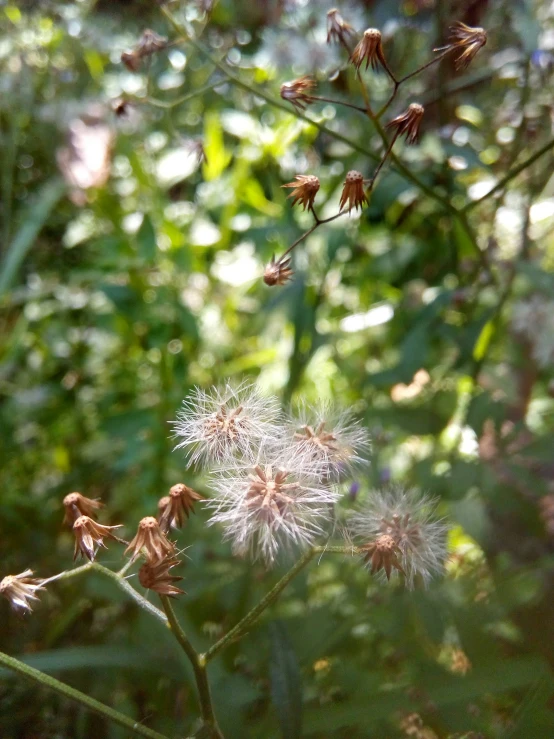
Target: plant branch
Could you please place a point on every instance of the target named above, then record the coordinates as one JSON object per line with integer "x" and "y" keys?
{"x": 67, "y": 691}
{"x": 199, "y": 667}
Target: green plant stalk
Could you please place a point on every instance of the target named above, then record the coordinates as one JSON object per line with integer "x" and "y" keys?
{"x": 75, "y": 695}
{"x": 198, "y": 666}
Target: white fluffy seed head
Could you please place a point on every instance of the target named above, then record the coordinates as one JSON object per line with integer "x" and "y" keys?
{"x": 226, "y": 422}
{"x": 332, "y": 438}
{"x": 272, "y": 505}
{"x": 409, "y": 517}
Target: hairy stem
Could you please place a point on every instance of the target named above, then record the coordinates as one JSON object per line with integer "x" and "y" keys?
{"x": 67, "y": 691}
{"x": 199, "y": 667}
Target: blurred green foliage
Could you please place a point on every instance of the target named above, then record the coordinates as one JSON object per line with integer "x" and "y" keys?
{"x": 117, "y": 298}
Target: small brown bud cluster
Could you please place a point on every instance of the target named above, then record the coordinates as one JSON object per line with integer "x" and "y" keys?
{"x": 156, "y": 575}
{"x": 80, "y": 513}
{"x": 338, "y": 29}
{"x": 353, "y": 194}
{"x": 382, "y": 554}
{"x": 174, "y": 508}
{"x": 304, "y": 190}
{"x": 149, "y": 43}
{"x": 150, "y": 540}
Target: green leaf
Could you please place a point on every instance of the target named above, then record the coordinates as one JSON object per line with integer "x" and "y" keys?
{"x": 217, "y": 157}
{"x": 146, "y": 240}
{"x": 286, "y": 687}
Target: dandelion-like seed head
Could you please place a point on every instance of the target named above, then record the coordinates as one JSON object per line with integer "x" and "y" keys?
{"x": 298, "y": 92}
{"x": 275, "y": 504}
{"x": 407, "y": 518}
{"x": 20, "y": 589}
{"x": 353, "y": 194}
{"x": 369, "y": 50}
{"x": 331, "y": 438}
{"x": 466, "y": 39}
{"x": 226, "y": 422}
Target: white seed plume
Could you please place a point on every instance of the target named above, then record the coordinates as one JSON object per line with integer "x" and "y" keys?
{"x": 409, "y": 518}
{"x": 226, "y": 422}
{"x": 332, "y": 438}
{"x": 274, "y": 504}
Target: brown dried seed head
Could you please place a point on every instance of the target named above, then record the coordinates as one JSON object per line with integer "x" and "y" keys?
{"x": 337, "y": 28}
{"x": 90, "y": 535}
{"x": 408, "y": 123}
{"x": 466, "y": 39}
{"x": 156, "y": 576}
{"x": 305, "y": 189}
{"x": 353, "y": 194}
{"x": 131, "y": 59}
{"x": 77, "y": 505}
{"x": 278, "y": 273}
{"x": 382, "y": 554}
{"x": 179, "y": 505}
{"x": 369, "y": 50}
{"x": 20, "y": 589}
{"x": 151, "y": 539}
{"x": 298, "y": 91}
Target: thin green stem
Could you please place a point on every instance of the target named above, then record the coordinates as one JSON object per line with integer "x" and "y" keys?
{"x": 501, "y": 184}
{"x": 199, "y": 667}
{"x": 338, "y": 102}
{"x": 167, "y": 105}
{"x": 75, "y": 695}
{"x": 130, "y": 591}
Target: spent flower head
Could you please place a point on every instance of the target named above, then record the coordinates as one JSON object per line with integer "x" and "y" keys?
{"x": 278, "y": 272}
{"x": 177, "y": 506}
{"x": 226, "y": 422}
{"x": 408, "y": 521}
{"x": 298, "y": 92}
{"x": 90, "y": 535}
{"x": 408, "y": 123}
{"x": 156, "y": 575}
{"x": 276, "y": 503}
{"x": 151, "y": 541}
{"x": 353, "y": 194}
{"x": 77, "y": 505}
{"x": 369, "y": 50}
{"x": 467, "y": 40}
{"x": 331, "y": 438}
{"x": 20, "y": 589}
{"x": 305, "y": 189}
{"x": 338, "y": 29}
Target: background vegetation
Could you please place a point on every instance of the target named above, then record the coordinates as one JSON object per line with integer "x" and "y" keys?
{"x": 131, "y": 277}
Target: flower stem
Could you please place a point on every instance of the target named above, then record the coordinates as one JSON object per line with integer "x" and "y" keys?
{"x": 199, "y": 667}
{"x": 75, "y": 695}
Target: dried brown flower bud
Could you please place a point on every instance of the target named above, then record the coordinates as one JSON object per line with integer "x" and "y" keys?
{"x": 338, "y": 29}
{"x": 369, "y": 50}
{"x": 77, "y": 505}
{"x": 298, "y": 91}
{"x": 278, "y": 272}
{"x": 152, "y": 539}
{"x": 121, "y": 107}
{"x": 466, "y": 39}
{"x": 131, "y": 59}
{"x": 150, "y": 42}
{"x": 178, "y": 505}
{"x": 382, "y": 554}
{"x": 353, "y": 191}
{"x": 305, "y": 189}
{"x": 20, "y": 589}
{"x": 408, "y": 123}
{"x": 154, "y": 575}
{"x": 90, "y": 535}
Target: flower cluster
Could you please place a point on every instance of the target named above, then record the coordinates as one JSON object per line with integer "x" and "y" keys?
{"x": 274, "y": 477}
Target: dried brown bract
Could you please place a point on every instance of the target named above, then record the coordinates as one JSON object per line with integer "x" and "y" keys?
{"x": 151, "y": 539}
{"x": 353, "y": 194}
{"x": 382, "y": 554}
{"x": 278, "y": 272}
{"x": 369, "y": 50}
{"x": 20, "y": 589}
{"x": 338, "y": 29}
{"x": 149, "y": 43}
{"x": 466, "y": 39}
{"x": 178, "y": 505}
{"x": 90, "y": 535}
{"x": 305, "y": 189}
{"x": 408, "y": 123}
{"x": 131, "y": 59}
{"x": 155, "y": 575}
{"x": 77, "y": 505}
{"x": 298, "y": 91}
